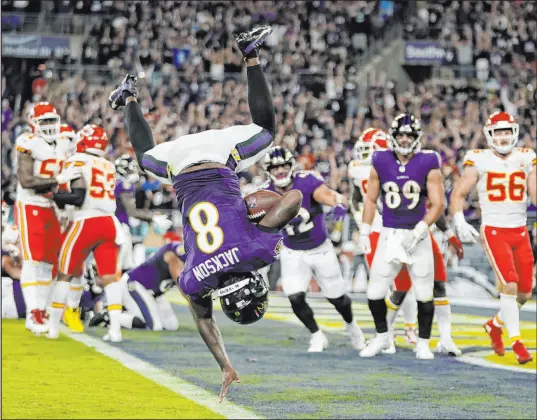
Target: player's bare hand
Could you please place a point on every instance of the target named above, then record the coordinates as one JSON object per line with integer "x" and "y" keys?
{"x": 229, "y": 375}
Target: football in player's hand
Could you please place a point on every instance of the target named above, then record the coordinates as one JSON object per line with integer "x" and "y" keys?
{"x": 259, "y": 204}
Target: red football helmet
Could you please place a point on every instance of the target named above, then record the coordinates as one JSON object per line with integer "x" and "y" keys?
{"x": 371, "y": 140}
{"x": 503, "y": 143}
{"x": 92, "y": 139}
{"x": 67, "y": 131}
{"x": 45, "y": 121}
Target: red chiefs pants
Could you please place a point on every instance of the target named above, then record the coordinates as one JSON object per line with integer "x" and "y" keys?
{"x": 509, "y": 253}
{"x": 40, "y": 233}
{"x": 95, "y": 234}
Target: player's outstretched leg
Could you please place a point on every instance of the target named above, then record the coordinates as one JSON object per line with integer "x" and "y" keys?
{"x": 303, "y": 311}
{"x": 343, "y": 305}
{"x": 442, "y": 309}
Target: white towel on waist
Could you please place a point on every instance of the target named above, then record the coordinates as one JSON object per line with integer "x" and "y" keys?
{"x": 395, "y": 252}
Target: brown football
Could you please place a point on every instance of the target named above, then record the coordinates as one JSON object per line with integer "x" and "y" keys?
{"x": 259, "y": 203}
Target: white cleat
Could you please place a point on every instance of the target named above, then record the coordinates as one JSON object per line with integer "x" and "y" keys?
{"x": 376, "y": 345}
{"x": 422, "y": 350}
{"x": 53, "y": 334}
{"x": 36, "y": 327}
{"x": 356, "y": 335}
{"x": 113, "y": 336}
{"x": 391, "y": 349}
{"x": 318, "y": 342}
{"x": 448, "y": 347}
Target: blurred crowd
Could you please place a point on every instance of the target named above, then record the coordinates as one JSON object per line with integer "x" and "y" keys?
{"x": 192, "y": 77}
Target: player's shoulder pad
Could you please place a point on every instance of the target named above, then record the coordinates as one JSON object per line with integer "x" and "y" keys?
{"x": 25, "y": 142}
{"x": 77, "y": 159}
{"x": 527, "y": 154}
{"x": 309, "y": 174}
{"x": 473, "y": 156}
{"x": 379, "y": 156}
{"x": 434, "y": 156}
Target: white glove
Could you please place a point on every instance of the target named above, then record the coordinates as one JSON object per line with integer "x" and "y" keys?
{"x": 162, "y": 221}
{"x": 68, "y": 174}
{"x": 465, "y": 231}
{"x": 411, "y": 239}
{"x": 364, "y": 244}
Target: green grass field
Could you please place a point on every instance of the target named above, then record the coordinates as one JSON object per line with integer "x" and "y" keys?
{"x": 53, "y": 379}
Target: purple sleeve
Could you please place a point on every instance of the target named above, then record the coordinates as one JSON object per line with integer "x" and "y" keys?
{"x": 122, "y": 187}
{"x": 315, "y": 180}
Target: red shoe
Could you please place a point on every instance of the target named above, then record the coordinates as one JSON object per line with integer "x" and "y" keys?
{"x": 44, "y": 315}
{"x": 522, "y": 355}
{"x": 495, "y": 335}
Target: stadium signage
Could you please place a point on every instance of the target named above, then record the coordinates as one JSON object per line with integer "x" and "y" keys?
{"x": 37, "y": 46}
{"x": 429, "y": 52}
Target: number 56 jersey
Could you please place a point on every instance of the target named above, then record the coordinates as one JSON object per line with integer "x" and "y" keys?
{"x": 99, "y": 175}
{"x": 502, "y": 185}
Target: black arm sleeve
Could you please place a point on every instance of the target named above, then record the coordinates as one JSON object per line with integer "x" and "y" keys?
{"x": 75, "y": 197}
{"x": 140, "y": 134}
{"x": 260, "y": 99}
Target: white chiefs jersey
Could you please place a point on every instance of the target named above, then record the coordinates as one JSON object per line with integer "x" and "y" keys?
{"x": 359, "y": 172}
{"x": 99, "y": 176}
{"x": 48, "y": 162}
{"x": 502, "y": 185}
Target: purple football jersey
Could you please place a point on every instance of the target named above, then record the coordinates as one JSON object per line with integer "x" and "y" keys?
{"x": 218, "y": 237}
{"x": 154, "y": 273}
{"x": 123, "y": 186}
{"x": 404, "y": 188}
{"x": 308, "y": 229}
{"x": 19, "y": 299}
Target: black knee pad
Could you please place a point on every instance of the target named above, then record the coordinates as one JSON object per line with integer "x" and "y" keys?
{"x": 340, "y": 302}
{"x": 297, "y": 299}
{"x": 439, "y": 289}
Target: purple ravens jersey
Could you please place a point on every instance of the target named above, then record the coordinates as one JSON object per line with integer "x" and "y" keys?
{"x": 404, "y": 187}
{"x": 308, "y": 229}
{"x": 123, "y": 186}
{"x": 154, "y": 273}
{"x": 218, "y": 237}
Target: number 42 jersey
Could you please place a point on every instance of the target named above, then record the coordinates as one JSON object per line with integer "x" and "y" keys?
{"x": 308, "y": 229}
{"x": 502, "y": 185}
{"x": 99, "y": 175}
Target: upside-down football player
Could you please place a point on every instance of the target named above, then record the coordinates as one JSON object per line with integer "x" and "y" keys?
{"x": 223, "y": 248}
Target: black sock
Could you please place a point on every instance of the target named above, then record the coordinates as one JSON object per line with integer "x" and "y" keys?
{"x": 138, "y": 323}
{"x": 425, "y": 318}
{"x": 379, "y": 310}
{"x": 140, "y": 134}
{"x": 343, "y": 305}
{"x": 303, "y": 311}
{"x": 397, "y": 297}
{"x": 260, "y": 99}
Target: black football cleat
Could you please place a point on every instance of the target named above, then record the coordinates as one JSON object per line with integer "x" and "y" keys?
{"x": 249, "y": 42}
{"x": 100, "y": 320}
{"x": 128, "y": 84}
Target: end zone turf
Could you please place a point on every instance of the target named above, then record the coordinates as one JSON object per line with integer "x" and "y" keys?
{"x": 62, "y": 378}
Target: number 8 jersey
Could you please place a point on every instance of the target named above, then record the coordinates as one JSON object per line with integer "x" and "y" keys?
{"x": 502, "y": 185}
{"x": 99, "y": 175}
{"x": 404, "y": 187}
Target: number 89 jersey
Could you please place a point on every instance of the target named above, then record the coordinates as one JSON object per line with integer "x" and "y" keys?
{"x": 99, "y": 175}
{"x": 502, "y": 185}
{"x": 404, "y": 187}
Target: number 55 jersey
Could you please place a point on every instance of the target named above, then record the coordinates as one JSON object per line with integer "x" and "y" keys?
{"x": 94, "y": 227}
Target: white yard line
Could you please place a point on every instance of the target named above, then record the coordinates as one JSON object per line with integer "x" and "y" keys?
{"x": 161, "y": 377}
{"x": 475, "y": 358}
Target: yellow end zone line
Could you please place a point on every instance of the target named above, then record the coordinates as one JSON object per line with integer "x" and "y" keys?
{"x": 477, "y": 358}
{"x": 161, "y": 377}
